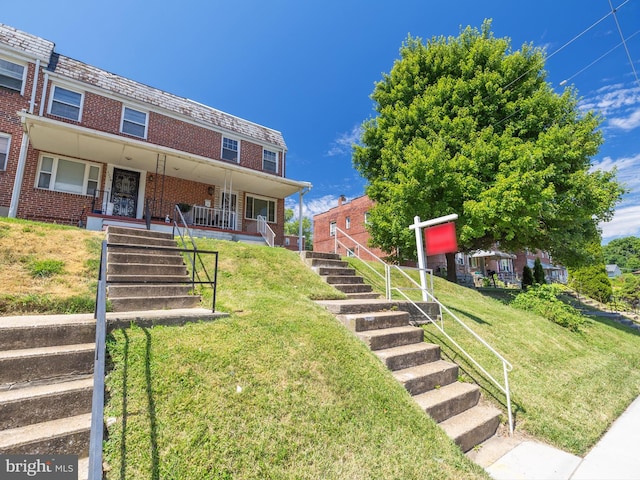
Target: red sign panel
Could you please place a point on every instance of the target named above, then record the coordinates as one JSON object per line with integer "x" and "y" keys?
{"x": 441, "y": 239}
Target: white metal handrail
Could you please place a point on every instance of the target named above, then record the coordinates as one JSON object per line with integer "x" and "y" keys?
{"x": 506, "y": 366}
{"x": 265, "y": 230}
{"x": 213, "y": 217}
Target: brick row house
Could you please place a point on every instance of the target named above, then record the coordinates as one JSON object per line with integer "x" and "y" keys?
{"x": 347, "y": 222}
{"x": 80, "y": 145}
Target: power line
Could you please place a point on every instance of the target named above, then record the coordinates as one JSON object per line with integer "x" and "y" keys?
{"x": 615, "y": 17}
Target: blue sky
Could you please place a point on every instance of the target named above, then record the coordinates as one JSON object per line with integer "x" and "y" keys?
{"x": 308, "y": 68}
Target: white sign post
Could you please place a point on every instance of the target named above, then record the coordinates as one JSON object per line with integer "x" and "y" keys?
{"x": 422, "y": 257}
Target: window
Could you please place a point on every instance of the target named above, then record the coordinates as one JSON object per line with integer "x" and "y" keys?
{"x": 260, "y": 207}
{"x": 269, "y": 161}
{"x": 5, "y": 141}
{"x": 366, "y": 218}
{"x": 72, "y": 176}
{"x": 347, "y": 223}
{"x": 332, "y": 229}
{"x": 230, "y": 149}
{"x": 134, "y": 122}
{"x": 65, "y": 103}
{"x": 11, "y": 75}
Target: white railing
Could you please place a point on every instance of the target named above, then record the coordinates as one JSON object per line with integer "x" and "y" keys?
{"x": 265, "y": 230}
{"x": 354, "y": 250}
{"x": 213, "y": 217}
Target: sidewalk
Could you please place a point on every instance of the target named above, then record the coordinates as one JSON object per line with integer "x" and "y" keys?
{"x": 615, "y": 456}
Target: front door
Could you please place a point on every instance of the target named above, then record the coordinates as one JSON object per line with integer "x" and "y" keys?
{"x": 124, "y": 192}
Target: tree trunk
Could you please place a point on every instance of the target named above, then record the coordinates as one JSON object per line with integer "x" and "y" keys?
{"x": 452, "y": 275}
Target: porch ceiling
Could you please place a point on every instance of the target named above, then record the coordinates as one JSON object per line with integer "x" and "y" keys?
{"x": 79, "y": 142}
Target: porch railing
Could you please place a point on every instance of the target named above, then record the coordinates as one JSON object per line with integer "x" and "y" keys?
{"x": 265, "y": 230}
{"x": 355, "y": 250}
{"x": 213, "y": 217}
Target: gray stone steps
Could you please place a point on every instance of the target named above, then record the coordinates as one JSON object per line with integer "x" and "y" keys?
{"x": 333, "y": 271}
{"x": 391, "y": 337}
{"x": 354, "y": 288}
{"x": 26, "y": 365}
{"x": 54, "y": 437}
{"x": 359, "y": 322}
{"x": 342, "y": 279}
{"x": 138, "y": 257}
{"x": 18, "y": 333}
{"x": 147, "y": 290}
{"x": 123, "y": 239}
{"x": 145, "y": 269}
{"x": 139, "y": 232}
{"x": 473, "y": 426}
{"x": 427, "y": 376}
{"x": 40, "y": 403}
{"x": 449, "y": 400}
{"x": 130, "y": 304}
{"x": 141, "y": 279}
{"x": 407, "y": 356}
{"x": 363, "y": 295}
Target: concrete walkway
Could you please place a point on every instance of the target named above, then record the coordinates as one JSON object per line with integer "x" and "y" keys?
{"x": 615, "y": 456}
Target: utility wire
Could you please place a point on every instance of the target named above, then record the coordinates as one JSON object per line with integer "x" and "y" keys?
{"x": 615, "y": 17}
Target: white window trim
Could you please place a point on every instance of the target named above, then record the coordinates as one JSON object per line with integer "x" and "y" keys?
{"x": 263, "y": 160}
{"x": 332, "y": 228}
{"x": 146, "y": 122}
{"x": 54, "y": 171}
{"x": 25, "y": 69}
{"x": 6, "y": 161}
{"x": 275, "y": 206}
{"x": 235, "y": 139}
{"x": 50, "y": 106}
{"x": 347, "y": 223}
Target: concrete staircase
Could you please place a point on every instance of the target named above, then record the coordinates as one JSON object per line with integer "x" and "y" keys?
{"x": 386, "y": 328}
{"x": 46, "y": 385}
{"x": 147, "y": 279}
{"x": 337, "y": 273}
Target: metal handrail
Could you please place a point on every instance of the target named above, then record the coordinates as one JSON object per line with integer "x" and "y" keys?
{"x": 506, "y": 366}
{"x": 265, "y": 230}
{"x": 97, "y": 402}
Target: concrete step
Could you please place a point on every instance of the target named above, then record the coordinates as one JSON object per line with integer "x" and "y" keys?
{"x": 364, "y": 295}
{"x": 145, "y": 258}
{"x": 448, "y": 400}
{"x": 342, "y": 279}
{"x": 391, "y": 337}
{"x": 307, "y": 254}
{"x": 138, "y": 232}
{"x": 18, "y": 333}
{"x": 147, "y": 290}
{"x": 317, "y": 263}
{"x": 132, "y": 304}
{"x": 472, "y": 427}
{"x": 360, "y": 322}
{"x": 407, "y": 356}
{"x": 145, "y": 269}
{"x": 142, "y": 279}
{"x": 427, "y": 376}
{"x": 119, "y": 239}
{"x": 26, "y": 365}
{"x": 64, "y": 436}
{"x": 354, "y": 288}
{"x": 355, "y": 305}
{"x": 335, "y": 271}
{"x": 40, "y": 403}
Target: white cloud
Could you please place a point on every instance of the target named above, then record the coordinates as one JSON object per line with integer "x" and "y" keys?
{"x": 619, "y": 104}
{"x": 627, "y": 171}
{"x": 345, "y": 141}
{"x": 626, "y": 222}
{"x": 627, "y": 123}
{"x": 313, "y": 206}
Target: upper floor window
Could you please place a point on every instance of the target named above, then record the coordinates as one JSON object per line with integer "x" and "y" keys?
{"x": 71, "y": 176}
{"x": 66, "y": 103}
{"x": 257, "y": 206}
{"x": 366, "y": 218}
{"x": 269, "y": 161}
{"x": 332, "y": 229}
{"x": 347, "y": 223}
{"x": 230, "y": 149}
{"x": 134, "y": 122}
{"x": 11, "y": 75}
{"x": 5, "y": 142}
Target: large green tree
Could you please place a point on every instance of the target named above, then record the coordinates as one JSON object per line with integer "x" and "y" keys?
{"x": 624, "y": 252}
{"x": 466, "y": 125}
{"x": 292, "y": 227}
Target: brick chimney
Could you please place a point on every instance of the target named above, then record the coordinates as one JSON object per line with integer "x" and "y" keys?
{"x": 341, "y": 199}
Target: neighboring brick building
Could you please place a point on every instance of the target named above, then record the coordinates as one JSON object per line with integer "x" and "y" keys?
{"x": 80, "y": 145}
{"x": 348, "y": 221}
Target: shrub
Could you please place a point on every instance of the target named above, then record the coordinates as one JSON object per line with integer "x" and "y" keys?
{"x": 527, "y": 277}
{"x": 543, "y": 300}
{"x": 591, "y": 281}
{"x": 538, "y": 272}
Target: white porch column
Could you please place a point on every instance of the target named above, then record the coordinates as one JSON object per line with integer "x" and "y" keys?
{"x": 17, "y": 182}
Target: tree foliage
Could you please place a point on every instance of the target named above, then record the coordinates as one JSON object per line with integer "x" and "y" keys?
{"x": 466, "y": 125}
{"x": 538, "y": 272}
{"x": 624, "y": 252}
{"x": 527, "y": 277}
{"x": 292, "y": 227}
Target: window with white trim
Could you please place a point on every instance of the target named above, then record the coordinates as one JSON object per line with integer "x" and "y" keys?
{"x": 65, "y": 103}
{"x": 366, "y": 218}
{"x": 257, "y": 206}
{"x": 332, "y": 229}
{"x": 347, "y": 223}
{"x": 269, "y": 161}
{"x": 5, "y": 143}
{"x": 11, "y": 75}
{"x": 64, "y": 175}
{"x": 134, "y": 122}
{"x": 230, "y": 149}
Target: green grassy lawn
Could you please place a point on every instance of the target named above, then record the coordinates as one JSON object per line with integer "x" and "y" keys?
{"x": 567, "y": 387}
{"x": 277, "y": 390}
